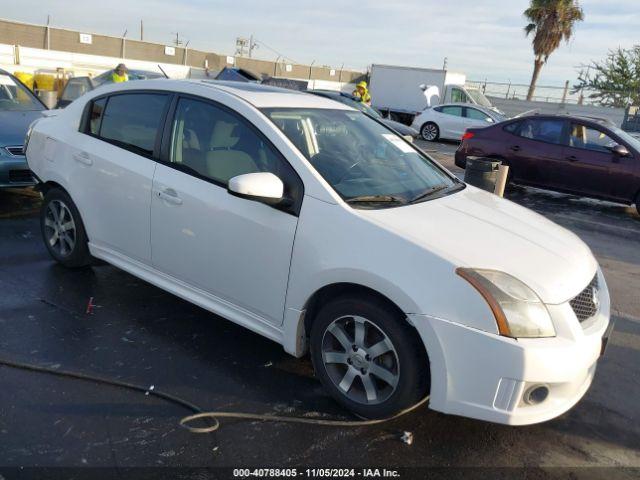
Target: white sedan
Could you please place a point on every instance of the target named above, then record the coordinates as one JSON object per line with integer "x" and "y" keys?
{"x": 450, "y": 121}
{"x": 318, "y": 227}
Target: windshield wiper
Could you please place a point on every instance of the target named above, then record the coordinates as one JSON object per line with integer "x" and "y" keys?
{"x": 428, "y": 193}
{"x": 375, "y": 199}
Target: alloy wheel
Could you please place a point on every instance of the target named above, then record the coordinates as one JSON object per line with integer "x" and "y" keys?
{"x": 360, "y": 360}
{"x": 429, "y": 132}
{"x": 60, "y": 228}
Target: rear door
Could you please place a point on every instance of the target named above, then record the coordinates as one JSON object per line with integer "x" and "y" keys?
{"x": 589, "y": 164}
{"x": 451, "y": 121}
{"x": 534, "y": 149}
{"x": 114, "y": 161}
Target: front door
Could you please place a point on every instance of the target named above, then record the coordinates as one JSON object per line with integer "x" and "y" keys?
{"x": 234, "y": 249}
{"x": 589, "y": 163}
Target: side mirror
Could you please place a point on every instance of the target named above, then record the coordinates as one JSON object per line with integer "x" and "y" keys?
{"x": 620, "y": 151}
{"x": 261, "y": 186}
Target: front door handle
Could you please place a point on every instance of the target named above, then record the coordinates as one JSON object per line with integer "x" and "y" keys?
{"x": 515, "y": 148}
{"x": 83, "y": 157}
{"x": 169, "y": 195}
{"x": 572, "y": 158}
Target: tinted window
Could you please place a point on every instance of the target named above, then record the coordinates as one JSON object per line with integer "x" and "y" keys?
{"x": 456, "y": 111}
{"x": 95, "y": 115}
{"x": 543, "y": 130}
{"x": 590, "y": 139}
{"x": 132, "y": 120}
{"x": 512, "y": 127}
{"x": 478, "y": 115}
{"x": 75, "y": 88}
{"x": 219, "y": 145}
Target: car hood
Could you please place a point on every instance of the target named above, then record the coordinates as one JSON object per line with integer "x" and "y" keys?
{"x": 401, "y": 128}
{"x": 14, "y": 126}
{"x": 473, "y": 228}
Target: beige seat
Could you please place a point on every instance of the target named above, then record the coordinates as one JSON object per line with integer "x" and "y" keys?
{"x": 223, "y": 161}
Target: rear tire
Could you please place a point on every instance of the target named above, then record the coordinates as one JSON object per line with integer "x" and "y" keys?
{"x": 430, "y": 132}
{"x": 63, "y": 231}
{"x": 368, "y": 357}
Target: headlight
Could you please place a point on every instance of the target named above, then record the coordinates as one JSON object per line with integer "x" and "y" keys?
{"x": 519, "y": 312}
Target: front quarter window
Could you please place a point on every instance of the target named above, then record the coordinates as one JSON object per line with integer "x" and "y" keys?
{"x": 367, "y": 164}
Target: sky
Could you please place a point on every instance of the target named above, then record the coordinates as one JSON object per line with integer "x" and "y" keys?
{"x": 482, "y": 38}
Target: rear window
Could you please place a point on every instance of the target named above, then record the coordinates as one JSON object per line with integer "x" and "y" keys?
{"x": 130, "y": 121}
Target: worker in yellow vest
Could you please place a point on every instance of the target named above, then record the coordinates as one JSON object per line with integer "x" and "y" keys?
{"x": 362, "y": 93}
{"x": 120, "y": 74}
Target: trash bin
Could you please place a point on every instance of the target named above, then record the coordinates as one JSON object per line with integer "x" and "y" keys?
{"x": 482, "y": 173}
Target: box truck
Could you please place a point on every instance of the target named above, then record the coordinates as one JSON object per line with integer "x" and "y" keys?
{"x": 403, "y": 92}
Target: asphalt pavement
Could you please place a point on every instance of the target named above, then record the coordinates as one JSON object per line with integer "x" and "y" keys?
{"x": 137, "y": 333}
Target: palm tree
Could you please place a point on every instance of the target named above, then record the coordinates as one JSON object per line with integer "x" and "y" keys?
{"x": 551, "y": 21}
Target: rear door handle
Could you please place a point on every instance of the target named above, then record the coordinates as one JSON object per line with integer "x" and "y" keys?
{"x": 169, "y": 195}
{"x": 515, "y": 148}
{"x": 572, "y": 158}
{"x": 83, "y": 157}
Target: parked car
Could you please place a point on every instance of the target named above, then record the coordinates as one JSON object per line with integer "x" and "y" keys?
{"x": 564, "y": 153}
{"x": 318, "y": 227}
{"x": 353, "y": 102}
{"x": 18, "y": 108}
{"x": 78, "y": 86}
{"x": 451, "y": 120}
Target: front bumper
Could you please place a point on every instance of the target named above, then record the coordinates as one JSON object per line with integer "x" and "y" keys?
{"x": 14, "y": 172}
{"x": 485, "y": 376}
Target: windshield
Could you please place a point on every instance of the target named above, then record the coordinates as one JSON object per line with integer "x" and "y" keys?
{"x": 365, "y": 162}
{"x": 631, "y": 140}
{"x": 16, "y": 97}
{"x": 478, "y": 97}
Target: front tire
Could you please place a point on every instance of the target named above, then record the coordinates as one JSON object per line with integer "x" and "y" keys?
{"x": 430, "y": 132}
{"x": 638, "y": 203}
{"x": 63, "y": 231}
{"x": 367, "y": 357}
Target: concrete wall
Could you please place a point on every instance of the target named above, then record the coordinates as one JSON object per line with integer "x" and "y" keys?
{"x": 63, "y": 40}
{"x": 514, "y": 107}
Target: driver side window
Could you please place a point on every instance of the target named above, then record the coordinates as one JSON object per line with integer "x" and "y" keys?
{"x": 218, "y": 145}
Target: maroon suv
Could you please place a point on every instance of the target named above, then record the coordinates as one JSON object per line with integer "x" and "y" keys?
{"x": 564, "y": 153}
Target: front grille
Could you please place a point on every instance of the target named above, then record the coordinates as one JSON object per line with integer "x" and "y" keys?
{"x": 14, "y": 150}
{"x": 587, "y": 303}
{"x": 20, "y": 176}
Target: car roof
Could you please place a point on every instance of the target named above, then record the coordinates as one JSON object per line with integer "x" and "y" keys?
{"x": 260, "y": 96}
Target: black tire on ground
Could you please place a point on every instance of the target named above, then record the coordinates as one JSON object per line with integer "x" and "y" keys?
{"x": 75, "y": 254}
{"x": 430, "y": 132}
{"x": 409, "y": 362}
{"x": 638, "y": 203}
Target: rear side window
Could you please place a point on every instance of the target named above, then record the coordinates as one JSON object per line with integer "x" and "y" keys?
{"x": 132, "y": 121}
{"x": 512, "y": 127}
{"x": 455, "y": 111}
{"x": 543, "y": 130}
